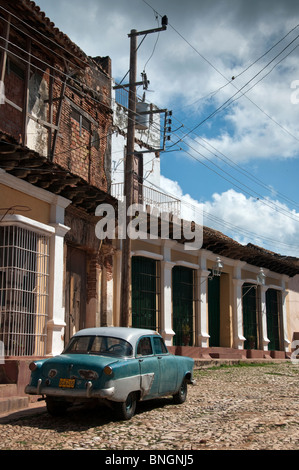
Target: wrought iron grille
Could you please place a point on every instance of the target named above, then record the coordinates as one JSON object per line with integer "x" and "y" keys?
{"x": 24, "y": 272}
{"x": 145, "y": 293}
{"x": 183, "y": 306}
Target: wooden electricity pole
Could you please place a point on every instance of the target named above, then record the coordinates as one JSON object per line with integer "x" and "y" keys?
{"x": 128, "y": 186}
{"x": 125, "y": 299}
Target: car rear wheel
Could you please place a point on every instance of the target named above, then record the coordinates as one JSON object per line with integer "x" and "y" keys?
{"x": 56, "y": 408}
{"x": 181, "y": 395}
{"x": 126, "y": 410}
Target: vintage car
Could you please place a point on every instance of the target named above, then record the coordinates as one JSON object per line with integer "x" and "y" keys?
{"x": 117, "y": 366}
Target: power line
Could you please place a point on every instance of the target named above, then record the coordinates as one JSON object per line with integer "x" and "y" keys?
{"x": 230, "y": 100}
{"x": 49, "y": 39}
{"x": 238, "y": 168}
{"x": 56, "y": 77}
{"x": 68, "y": 150}
{"x": 226, "y": 224}
{"x": 237, "y": 184}
{"x": 231, "y": 81}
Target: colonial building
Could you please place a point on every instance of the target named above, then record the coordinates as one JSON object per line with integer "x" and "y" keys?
{"x": 55, "y": 169}
{"x": 221, "y": 300}
{"x": 57, "y": 117}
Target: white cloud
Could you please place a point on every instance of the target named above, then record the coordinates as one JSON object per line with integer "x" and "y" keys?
{"x": 190, "y": 208}
{"x": 266, "y": 223}
{"x": 226, "y": 35}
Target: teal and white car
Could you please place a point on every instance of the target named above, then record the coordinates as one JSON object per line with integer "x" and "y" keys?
{"x": 116, "y": 366}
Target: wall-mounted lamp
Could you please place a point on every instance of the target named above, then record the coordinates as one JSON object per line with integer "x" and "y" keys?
{"x": 217, "y": 268}
{"x": 261, "y": 277}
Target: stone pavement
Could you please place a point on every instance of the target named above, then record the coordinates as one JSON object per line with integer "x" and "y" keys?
{"x": 231, "y": 407}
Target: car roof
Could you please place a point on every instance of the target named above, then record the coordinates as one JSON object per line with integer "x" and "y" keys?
{"x": 129, "y": 334}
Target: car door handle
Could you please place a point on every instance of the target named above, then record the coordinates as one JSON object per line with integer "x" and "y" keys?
{"x": 140, "y": 360}
{"x": 159, "y": 357}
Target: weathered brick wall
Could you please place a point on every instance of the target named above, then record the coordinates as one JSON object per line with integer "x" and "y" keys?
{"x": 11, "y": 119}
{"x": 83, "y": 141}
{"x": 82, "y": 149}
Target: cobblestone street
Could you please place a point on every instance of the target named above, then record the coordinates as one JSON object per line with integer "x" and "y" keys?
{"x": 233, "y": 407}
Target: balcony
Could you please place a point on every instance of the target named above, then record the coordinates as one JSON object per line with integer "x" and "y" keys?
{"x": 148, "y": 196}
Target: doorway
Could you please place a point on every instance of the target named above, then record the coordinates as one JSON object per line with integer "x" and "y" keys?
{"x": 273, "y": 301}
{"x": 75, "y": 292}
{"x": 250, "y": 316}
{"x": 183, "y": 305}
{"x": 214, "y": 311}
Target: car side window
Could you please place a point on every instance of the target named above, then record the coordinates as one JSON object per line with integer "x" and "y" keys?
{"x": 144, "y": 347}
{"x": 159, "y": 346}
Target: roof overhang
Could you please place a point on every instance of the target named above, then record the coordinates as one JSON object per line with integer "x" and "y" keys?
{"x": 30, "y": 166}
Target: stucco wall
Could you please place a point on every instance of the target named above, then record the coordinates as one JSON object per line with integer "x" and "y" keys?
{"x": 38, "y": 210}
{"x": 293, "y": 308}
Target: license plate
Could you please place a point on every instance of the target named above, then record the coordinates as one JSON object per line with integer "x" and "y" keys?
{"x": 67, "y": 383}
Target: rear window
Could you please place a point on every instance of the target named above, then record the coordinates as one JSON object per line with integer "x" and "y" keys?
{"x": 101, "y": 345}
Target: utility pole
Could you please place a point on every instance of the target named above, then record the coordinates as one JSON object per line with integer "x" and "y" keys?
{"x": 128, "y": 186}
{"x": 125, "y": 298}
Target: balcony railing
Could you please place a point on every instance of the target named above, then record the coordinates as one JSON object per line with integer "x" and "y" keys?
{"x": 148, "y": 196}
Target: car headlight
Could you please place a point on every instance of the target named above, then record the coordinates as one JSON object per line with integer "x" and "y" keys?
{"x": 88, "y": 374}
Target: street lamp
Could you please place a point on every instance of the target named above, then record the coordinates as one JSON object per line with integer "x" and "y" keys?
{"x": 217, "y": 268}
{"x": 261, "y": 277}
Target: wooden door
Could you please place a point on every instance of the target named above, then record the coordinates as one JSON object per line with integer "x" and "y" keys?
{"x": 183, "y": 305}
{"x": 214, "y": 311}
{"x": 75, "y": 295}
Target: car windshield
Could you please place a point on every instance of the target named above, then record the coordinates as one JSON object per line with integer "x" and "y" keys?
{"x": 101, "y": 345}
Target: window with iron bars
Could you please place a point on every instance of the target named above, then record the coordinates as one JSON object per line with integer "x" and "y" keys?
{"x": 24, "y": 273}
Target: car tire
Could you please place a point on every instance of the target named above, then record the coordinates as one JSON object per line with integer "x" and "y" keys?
{"x": 56, "y": 408}
{"x": 181, "y": 395}
{"x": 126, "y": 410}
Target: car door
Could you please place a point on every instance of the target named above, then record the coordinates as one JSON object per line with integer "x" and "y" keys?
{"x": 167, "y": 367}
{"x": 148, "y": 367}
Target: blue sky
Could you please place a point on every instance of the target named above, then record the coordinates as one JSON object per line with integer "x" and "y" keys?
{"x": 241, "y": 161}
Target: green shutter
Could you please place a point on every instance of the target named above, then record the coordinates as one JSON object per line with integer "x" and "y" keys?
{"x": 144, "y": 292}
{"x": 272, "y": 309}
{"x": 214, "y": 311}
{"x": 182, "y": 304}
{"x": 249, "y": 316}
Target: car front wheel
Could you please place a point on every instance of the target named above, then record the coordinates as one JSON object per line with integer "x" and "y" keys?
{"x": 126, "y": 410}
{"x": 181, "y": 395}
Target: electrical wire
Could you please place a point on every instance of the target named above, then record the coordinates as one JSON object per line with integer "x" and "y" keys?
{"x": 236, "y": 183}
{"x": 68, "y": 51}
{"x": 231, "y": 81}
{"x": 155, "y": 45}
{"x": 226, "y": 224}
{"x": 47, "y": 38}
{"x": 238, "y": 168}
{"x": 68, "y": 150}
{"x": 230, "y": 100}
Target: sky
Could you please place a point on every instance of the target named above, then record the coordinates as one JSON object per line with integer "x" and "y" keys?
{"x": 229, "y": 72}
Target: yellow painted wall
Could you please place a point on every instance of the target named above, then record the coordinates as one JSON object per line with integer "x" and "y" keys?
{"x": 293, "y": 308}
{"x": 39, "y": 210}
{"x": 143, "y": 245}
